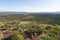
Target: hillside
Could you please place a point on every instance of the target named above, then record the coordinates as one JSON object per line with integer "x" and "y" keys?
{"x": 29, "y": 26}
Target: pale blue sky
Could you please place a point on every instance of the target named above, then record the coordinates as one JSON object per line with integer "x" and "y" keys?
{"x": 30, "y": 5}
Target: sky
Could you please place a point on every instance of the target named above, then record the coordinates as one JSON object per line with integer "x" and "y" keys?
{"x": 30, "y": 5}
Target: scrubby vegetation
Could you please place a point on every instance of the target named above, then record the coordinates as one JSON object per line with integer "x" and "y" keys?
{"x": 31, "y": 26}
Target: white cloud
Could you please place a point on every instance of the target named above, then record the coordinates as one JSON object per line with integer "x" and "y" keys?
{"x": 21, "y": 9}
{"x": 30, "y": 9}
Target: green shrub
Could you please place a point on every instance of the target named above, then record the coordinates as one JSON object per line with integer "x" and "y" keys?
{"x": 16, "y": 36}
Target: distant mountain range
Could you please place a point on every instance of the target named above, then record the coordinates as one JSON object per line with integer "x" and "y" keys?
{"x": 6, "y": 13}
